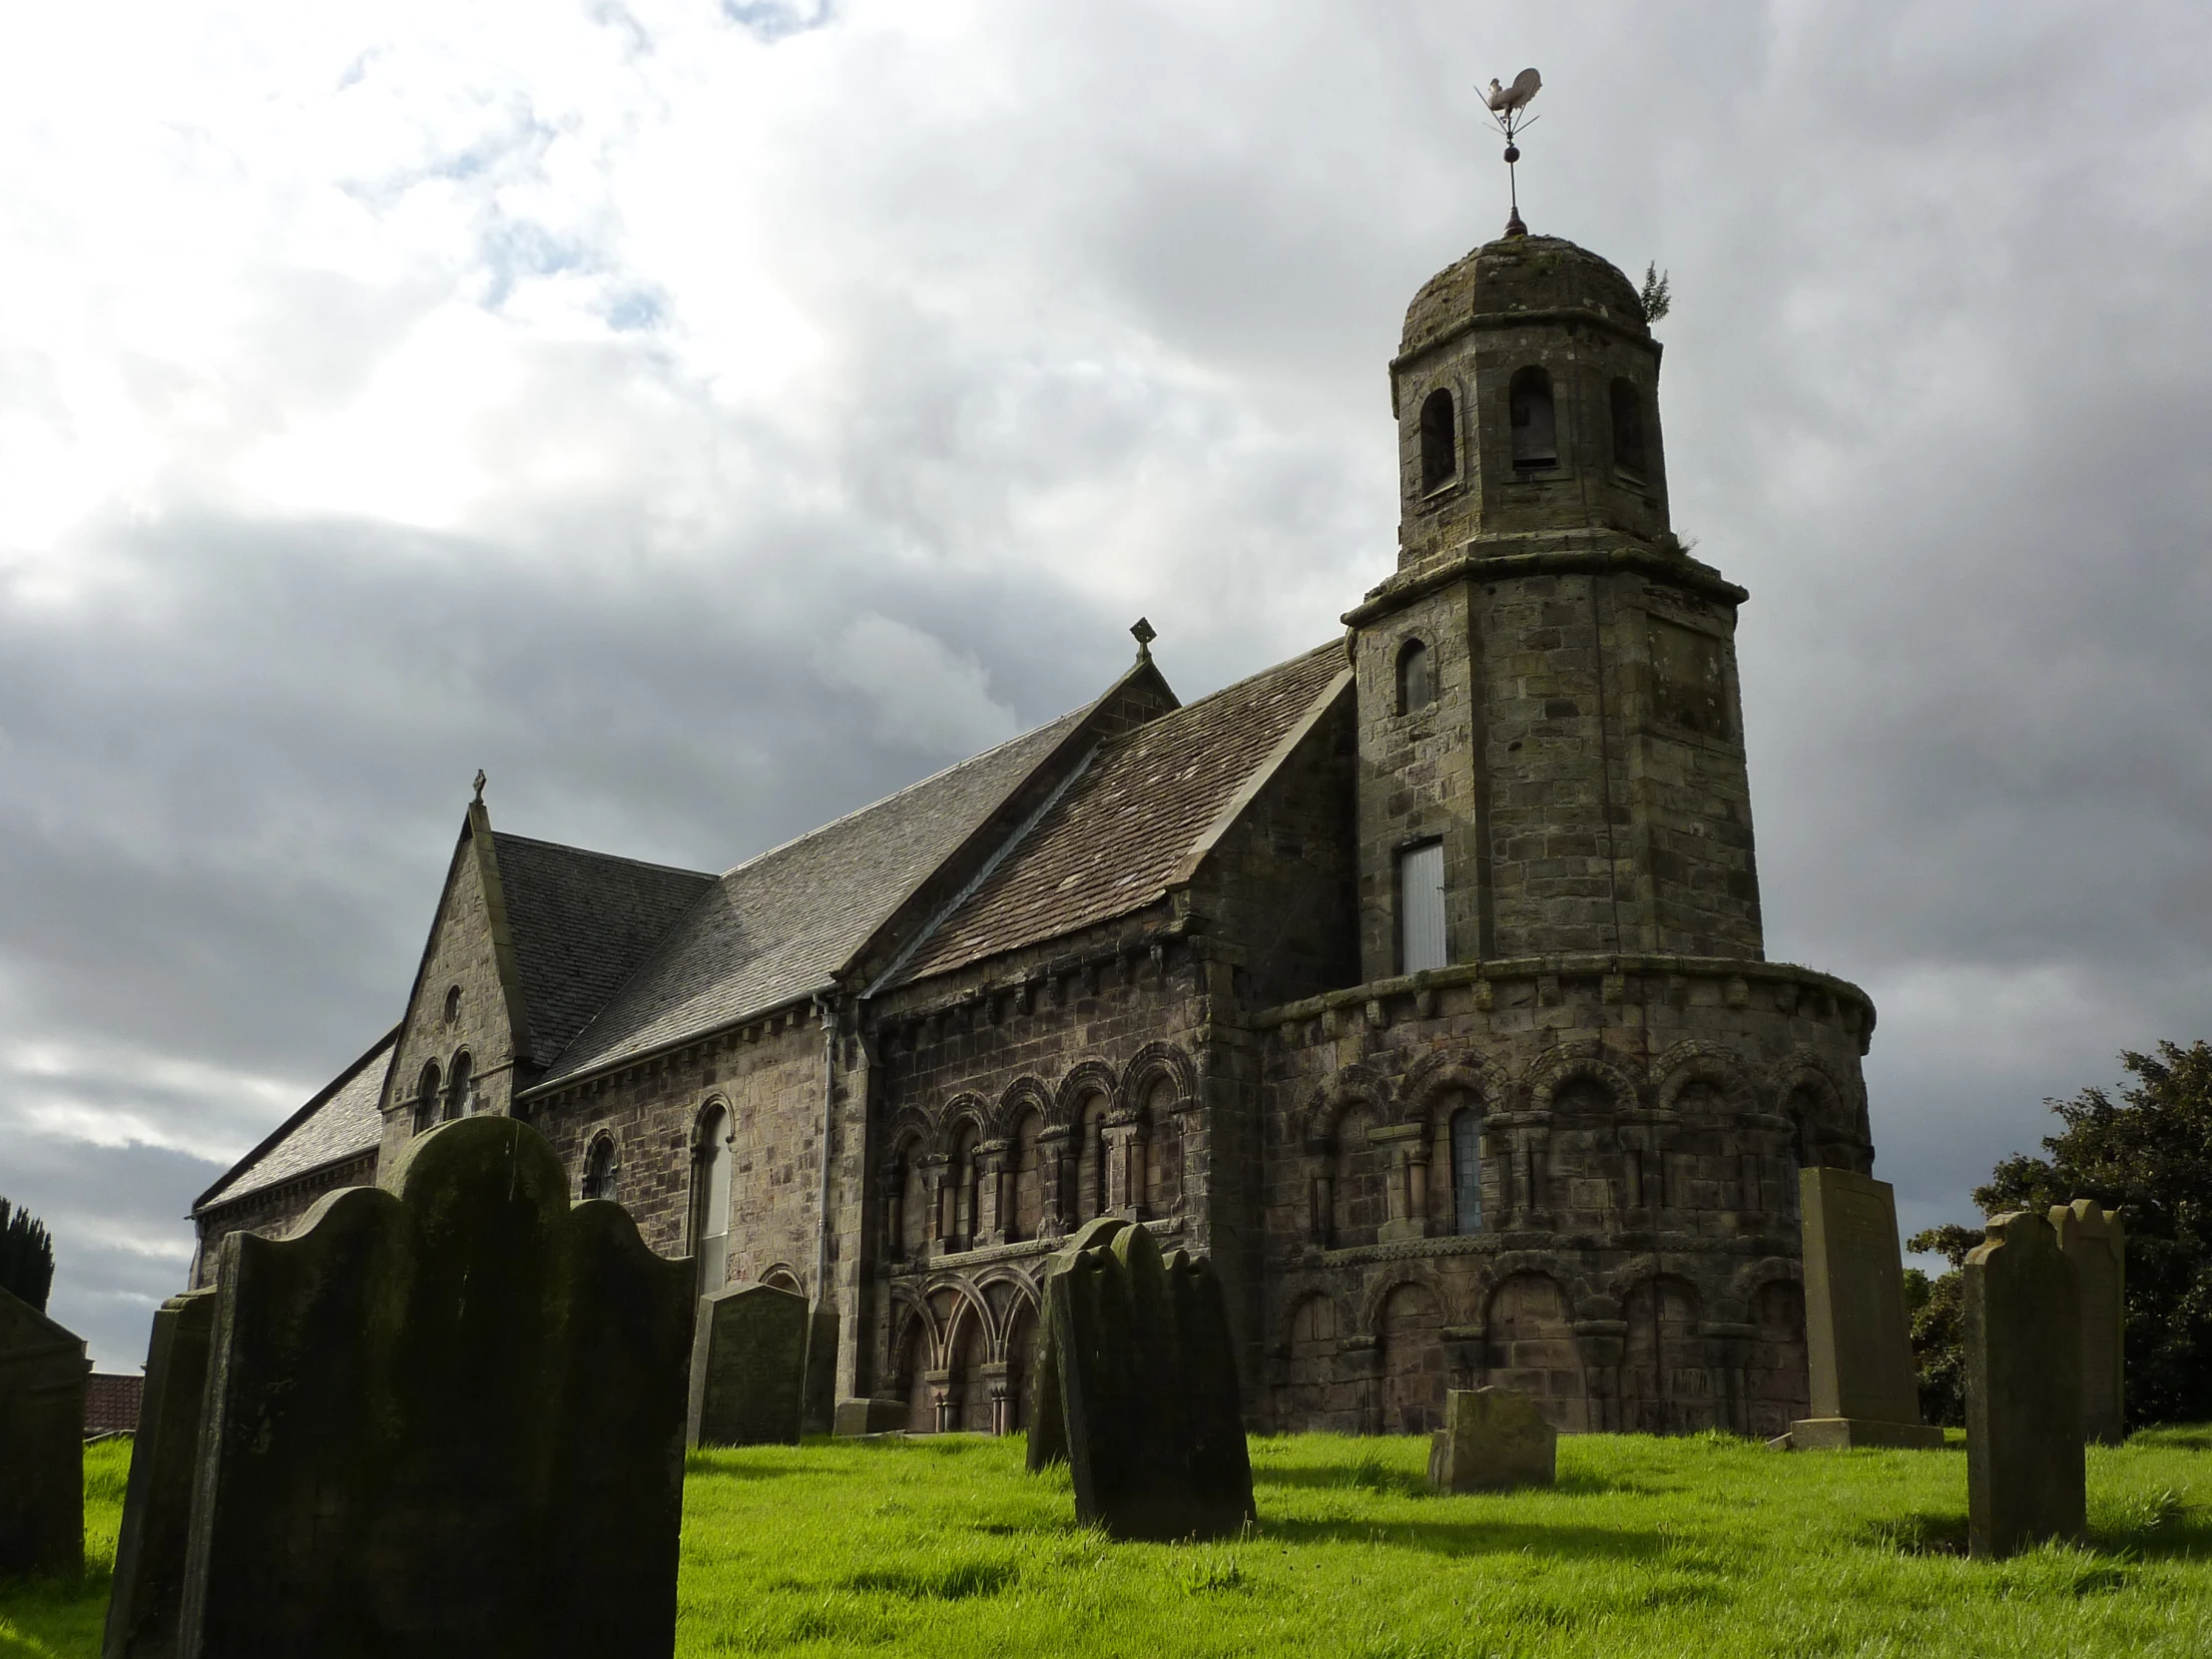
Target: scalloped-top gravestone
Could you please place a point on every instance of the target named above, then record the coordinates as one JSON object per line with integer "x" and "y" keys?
{"x": 1136, "y": 1388}
{"x": 2026, "y": 1477}
{"x": 444, "y": 1417}
{"x": 42, "y": 1442}
{"x": 2095, "y": 1242}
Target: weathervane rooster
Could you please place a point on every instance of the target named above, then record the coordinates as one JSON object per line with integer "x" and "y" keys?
{"x": 1507, "y": 105}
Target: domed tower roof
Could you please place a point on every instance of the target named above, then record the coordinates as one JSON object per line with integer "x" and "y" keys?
{"x": 1522, "y": 275}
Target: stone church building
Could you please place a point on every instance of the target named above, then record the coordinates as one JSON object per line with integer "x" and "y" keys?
{"x": 1417, "y": 980}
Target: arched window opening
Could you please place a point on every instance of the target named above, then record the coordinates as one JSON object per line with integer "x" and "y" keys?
{"x": 599, "y": 1167}
{"x": 1535, "y": 434}
{"x": 1090, "y": 1160}
{"x": 710, "y": 1188}
{"x": 1163, "y": 1151}
{"x": 782, "y": 1278}
{"x": 1466, "y": 1171}
{"x": 967, "y": 1190}
{"x": 1417, "y": 685}
{"x": 1028, "y": 1217}
{"x": 1439, "y": 441}
{"x": 915, "y": 1223}
{"x": 1628, "y": 430}
{"x": 427, "y": 1097}
{"x": 461, "y": 1092}
{"x": 453, "y": 1005}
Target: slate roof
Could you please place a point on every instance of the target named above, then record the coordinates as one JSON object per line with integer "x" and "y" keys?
{"x": 341, "y": 1122}
{"x": 1123, "y": 832}
{"x": 582, "y": 923}
{"x": 779, "y": 926}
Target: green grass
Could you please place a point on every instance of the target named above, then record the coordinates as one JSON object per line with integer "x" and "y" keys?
{"x": 1690, "y": 1547}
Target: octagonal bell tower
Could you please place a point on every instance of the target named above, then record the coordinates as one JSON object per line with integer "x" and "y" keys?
{"x": 1552, "y": 743}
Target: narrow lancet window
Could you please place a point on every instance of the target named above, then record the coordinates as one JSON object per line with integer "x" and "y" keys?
{"x": 711, "y": 1200}
{"x": 1439, "y": 441}
{"x": 461, "y": 1093}
{"x": 1535, "y": 433}
{"x": 1628, "y": 430}
{"x": 599, "y": 1169}
{"x": 1466, "y": 1171}
{"x": 427, "y": 1098}
{"x": 1417, "y": 687}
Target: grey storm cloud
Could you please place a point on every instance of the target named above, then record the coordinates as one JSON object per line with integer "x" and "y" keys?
{"x": 707, "y": 419}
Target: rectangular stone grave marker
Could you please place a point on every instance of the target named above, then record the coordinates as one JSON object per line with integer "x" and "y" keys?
{"x": 871, "y": 1417}
{"x": 42, "y": 1442}
{"x": 1857, "y": 1349}
{"x": 2094, "y": 1241}
{"x": 1492, "y": 1439}
{"x": 444, "y": 1417}
{"x": 2025, "y": 1477}
{"x": 748, "y": 1368}
{"x": 1136, "y": 1388}
{"x": 149, "y": 1589}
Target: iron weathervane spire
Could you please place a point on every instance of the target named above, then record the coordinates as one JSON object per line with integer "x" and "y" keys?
{"x": 1507, "y": 105}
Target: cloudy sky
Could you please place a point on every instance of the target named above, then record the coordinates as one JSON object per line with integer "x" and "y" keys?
{"x": 707, "y": 417}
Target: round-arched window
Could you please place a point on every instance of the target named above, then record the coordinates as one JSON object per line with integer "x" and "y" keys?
{"x": 461, "y": 1092}
{"x": 1628, "y": 430}
{"x": 599, "y": 1167}
{"x": 1417, "y": 682}
{"x": 426, "y": 1096}
{"x": 1439, "y": 441}
{"x": 1535, "y": 430}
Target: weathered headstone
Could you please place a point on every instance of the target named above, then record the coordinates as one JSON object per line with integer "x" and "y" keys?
{"x": 1136, "y": 1386}
{"x": 2026, "y": 1477}
{"x": 748, "y": 1368}
{"x": 861, "y": 1416}
{"x": 1856, "y": 1346}
{"x": 42, "y": 1442}
{"x": 1492, "y": 1439}
{"x": 2095, "y": 1242}
{"x": 444, "y": 1417}
{"x": 149, "y": 1588}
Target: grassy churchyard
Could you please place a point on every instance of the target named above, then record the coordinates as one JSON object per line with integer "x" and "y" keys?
{"x": 943, "y": 1547}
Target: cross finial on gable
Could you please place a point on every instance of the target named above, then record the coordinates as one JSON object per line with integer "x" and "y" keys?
{"x": 1145, "y": 634}
{"x": 480, "y": 782}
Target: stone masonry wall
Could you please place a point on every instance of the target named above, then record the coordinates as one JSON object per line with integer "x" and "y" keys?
{"x": 1639, "y": 1123}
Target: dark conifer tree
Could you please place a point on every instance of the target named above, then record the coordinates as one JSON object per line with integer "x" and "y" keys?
{"x": 26, "y": 1256}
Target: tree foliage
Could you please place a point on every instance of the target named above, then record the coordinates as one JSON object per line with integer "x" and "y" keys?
{"x": 1655, "y": 297}
{"x": 26, "y": 1256}
{"x": 2148, "y": 1154}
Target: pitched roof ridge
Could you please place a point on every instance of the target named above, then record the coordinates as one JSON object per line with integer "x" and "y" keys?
{"x": 315, "y": 1102}
{"x": 605, "y": 857}
{"x": 1159, "y": 720}
{"x": 920, "y": 783}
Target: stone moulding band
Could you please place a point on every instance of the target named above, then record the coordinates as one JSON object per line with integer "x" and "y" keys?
{"x": 1566, "y": 968}
{"x": 1575, "y": 315}
{"x": 1471, "y": 562}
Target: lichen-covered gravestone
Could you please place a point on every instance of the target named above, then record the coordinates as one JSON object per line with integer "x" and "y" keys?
{"x": 1492, "y": 1439}
{"x": 2025, "y": 1479}
{"x": 149, "y": 1587}
{"x": 2094, "y": 1241}
{"x": 444, "y": 1417}
{"x": 42, "y": 1442}
{"x": 1136, "y": 1388}
{"x": 1856, "y": 1346}
{"x": 748, "y": 1368}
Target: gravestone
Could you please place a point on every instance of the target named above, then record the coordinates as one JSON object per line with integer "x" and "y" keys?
{"x": 861, "y": 1416}
{"x": 1856, "y": 1346}
{"x": 42, "y": 1442}
{"x": 1492, "y": 1439}
{"x": 748, "y": 1368}
{"x": 445, "y": 1416}
{"x": 149, "y": 1588}
{"x": 1136, "y": 1386}
{"x": 2094, "y": 1241}
{"x": 2026, "y": 1477}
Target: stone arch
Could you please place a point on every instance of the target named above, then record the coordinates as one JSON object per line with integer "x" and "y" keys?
{"x": 1666, "y": 1380}
{"x": 965, "y": 1111}
{"x": 1386, "y": 1284}
{"x": 1086, "y": 1078}
{"x": 1529, "y": 1346}
{"x": 1688, "y": 1065}
{"x": 1023, "y": 1094}
{"x": 913, "y": 1356}
{"x": 1777, "y": 1375}
{"x": 1018, "y": 1352}
{"x": 1310, "y": 1126}
{"x": 1553, "y": 1074}
{"x": 784, "y": 1276}
{"x": 910, "y": 1221}
{"x": 713, "y": 1164}
{"x": 1416, "y": 1372}
{"x": 1154, "y": 1062}
{"x": 1439, "y": 439}
{"x": 916, "y": 1126}
{"x": 1438, "y": 1092}
{"x": 1316, "y": 1323}
{"x": 1432, "y": 1076}
{"x": 970, "y": 1350}
{"x": 602, "y": 1166}
{"x": 1818, "y": 1107}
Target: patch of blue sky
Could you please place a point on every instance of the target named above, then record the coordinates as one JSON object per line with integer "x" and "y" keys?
{"x": 636, "y": 309}
{"x": 514, "y": 248}
{"x": 772, "y": 20}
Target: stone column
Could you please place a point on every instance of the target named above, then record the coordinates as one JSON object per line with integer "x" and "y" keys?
{"x": 894, "y": 1212}
{"x": 1400, "y": 1142}
{"x": 936, "y": 1182}
{"x": 999, "y": 1379}
{"x": 1125, "y": 1167}
{"x": 1323, "y": 1219}
{"x": 944, "y": 1397}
